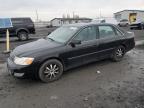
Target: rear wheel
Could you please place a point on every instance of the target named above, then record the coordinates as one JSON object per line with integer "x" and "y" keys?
{"x": 23, "y": 35}
{"x": 50, "y": 71}
{"x": 118, "y": 54}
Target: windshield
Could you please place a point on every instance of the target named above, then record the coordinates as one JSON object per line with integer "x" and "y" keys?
{"x": 62, "y": 34}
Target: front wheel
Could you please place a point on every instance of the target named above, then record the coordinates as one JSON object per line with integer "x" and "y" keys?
{"x": 50, "y": 71}
{"x": 118, "y": 54}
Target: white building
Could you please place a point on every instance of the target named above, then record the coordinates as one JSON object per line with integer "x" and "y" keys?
{"x": 110, "y": 20}
{"x": 130, "y": 15}
{"x": 62, "y": 21}
{"x": 42, "y": 24}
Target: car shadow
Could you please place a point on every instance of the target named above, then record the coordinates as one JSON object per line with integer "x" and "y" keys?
{"x": 89, "y": 65}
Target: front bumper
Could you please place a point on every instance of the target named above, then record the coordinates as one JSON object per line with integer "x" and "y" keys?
{"x": 18, "y": 70}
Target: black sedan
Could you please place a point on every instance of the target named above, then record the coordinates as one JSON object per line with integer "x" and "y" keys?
{"x": 67, "y": 47}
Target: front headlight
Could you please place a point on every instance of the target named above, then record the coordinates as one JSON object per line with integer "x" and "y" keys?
{"x": 23, "y": 60}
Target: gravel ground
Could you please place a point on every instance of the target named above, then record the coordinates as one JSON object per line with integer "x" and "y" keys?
{"x": 103, "y": 84}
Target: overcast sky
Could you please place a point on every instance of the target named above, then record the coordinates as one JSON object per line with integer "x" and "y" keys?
{"x": 48, "y": 9}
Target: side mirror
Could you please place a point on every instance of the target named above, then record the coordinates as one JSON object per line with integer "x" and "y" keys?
{"x": 75, "y": 42}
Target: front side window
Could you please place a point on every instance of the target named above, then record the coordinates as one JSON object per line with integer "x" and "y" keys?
{"x": 17, "y": 21}
{"x": 87, "y": 34}
{"x": 106, "y": 31}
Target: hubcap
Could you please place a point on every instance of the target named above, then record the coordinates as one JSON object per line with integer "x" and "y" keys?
{"x": 23, "y": 36}
{"x": 119, "y": 52}
{"x": 51, "y": 71}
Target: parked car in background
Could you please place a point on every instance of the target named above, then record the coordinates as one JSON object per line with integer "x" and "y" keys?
{"x": 99, "y": 20}
{"x": 109, "y": 20}
{"x": 123, "y": 23}
{"x": 67, "y": 47}
{"x": 22, "y": 27}
{"x": 139, "y": 24}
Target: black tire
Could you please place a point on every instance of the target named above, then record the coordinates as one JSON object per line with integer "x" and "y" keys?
{"x": 118, "y": 54}
{"x": 50, "y": 71}
{"x": 23, "y": 36}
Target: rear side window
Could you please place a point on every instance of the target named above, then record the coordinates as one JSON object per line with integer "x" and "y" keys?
{"x": 17, "y": 21}
{"x": 87, "y": 34}
{"x": 21, "y": 20}
{"x": 106, "y": 31}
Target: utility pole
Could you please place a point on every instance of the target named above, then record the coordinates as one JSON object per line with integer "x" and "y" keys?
{"x": 100, "y": 14}
{"x": 37, "y": 17}
{"x": 73, "y": 14}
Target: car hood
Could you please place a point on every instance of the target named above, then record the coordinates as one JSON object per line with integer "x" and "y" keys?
{"x": 34, "y": 47}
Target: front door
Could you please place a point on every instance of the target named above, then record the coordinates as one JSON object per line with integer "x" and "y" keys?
{"x": 84, "y": 52}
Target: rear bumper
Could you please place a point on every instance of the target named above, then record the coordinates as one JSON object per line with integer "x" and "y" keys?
{"x": 32, "y": 31}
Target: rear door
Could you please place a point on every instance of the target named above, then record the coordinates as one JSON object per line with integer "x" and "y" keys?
{"x": 109, "y": 39}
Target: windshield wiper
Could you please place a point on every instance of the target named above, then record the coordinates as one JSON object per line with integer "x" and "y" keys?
{"x": 51, "y": 39}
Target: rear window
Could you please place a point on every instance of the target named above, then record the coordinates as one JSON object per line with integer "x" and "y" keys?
{"x": 106, "y": 31}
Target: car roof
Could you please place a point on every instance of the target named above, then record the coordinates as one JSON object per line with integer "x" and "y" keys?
{"x": 82, "y": 25}
{"x": 21, "y": 18}
{"x": 86, "y": 24}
